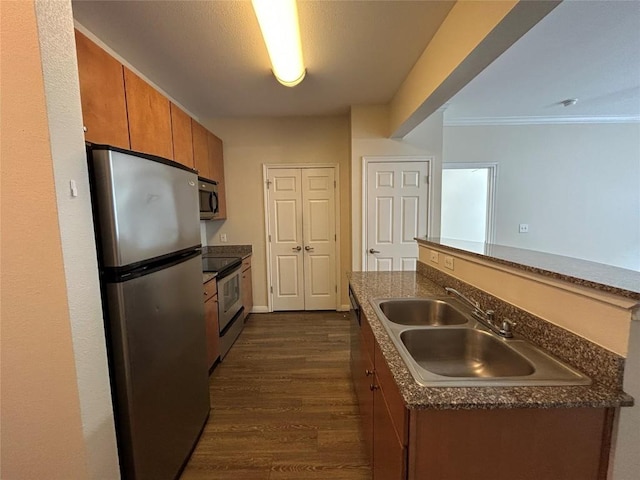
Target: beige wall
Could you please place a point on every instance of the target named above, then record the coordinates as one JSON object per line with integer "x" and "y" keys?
{"x": 42, "y": 433}
{"x": 370, "y": 138}
{"x": 251, "y": 143}
{"x": 60, "y": 71}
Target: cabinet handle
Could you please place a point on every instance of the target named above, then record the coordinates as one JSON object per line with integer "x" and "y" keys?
{"x": 373, "y": 387}
{"x": 206, "y": 293}
{"x": 84, "y": 128}
{"x": 368, "y": 372}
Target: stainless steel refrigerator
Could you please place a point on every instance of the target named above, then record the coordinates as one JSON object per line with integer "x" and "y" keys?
{"x": 146, "y": 215}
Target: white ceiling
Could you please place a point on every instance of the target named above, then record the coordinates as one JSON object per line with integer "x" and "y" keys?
{"x": 588, "y": 50}
{"x": 210, "y": 57}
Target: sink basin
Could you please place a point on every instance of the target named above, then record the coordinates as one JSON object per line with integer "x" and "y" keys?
{"x": 422, "y": 311}
{"x": 464, "y": 352}
{"x": 442, "y": 344}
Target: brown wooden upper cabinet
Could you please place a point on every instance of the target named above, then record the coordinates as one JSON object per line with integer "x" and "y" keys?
{"x": 182, "y": 137}
{"x": 149, "y": 117}
{"x": 200, "y": 149}
{"x": 104, "y": 108}
{"x": 216, "y": 164}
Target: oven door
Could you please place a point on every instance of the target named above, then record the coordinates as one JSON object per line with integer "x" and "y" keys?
{"x": 229, "y": 297}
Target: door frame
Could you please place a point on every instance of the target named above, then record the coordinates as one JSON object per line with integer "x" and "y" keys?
{"x": 366, "y": 160}
{"x": 265, "y": 191}
{"x": 492, "y": 183}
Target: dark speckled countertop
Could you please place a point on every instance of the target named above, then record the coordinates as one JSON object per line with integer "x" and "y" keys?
{"x": 369, "y": 285}
{"x": 242, "y": 251}
{"x": 606, "y": 278}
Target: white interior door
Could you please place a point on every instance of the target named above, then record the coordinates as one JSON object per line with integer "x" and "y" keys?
{"x": 285, "y": 227}
{"x": 302, "y": 238}
{"x": 319, "y": 234}
{"x": 396, "y": 212}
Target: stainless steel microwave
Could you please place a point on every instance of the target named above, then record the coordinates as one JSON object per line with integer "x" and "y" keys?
{"x": 208, "y": 199}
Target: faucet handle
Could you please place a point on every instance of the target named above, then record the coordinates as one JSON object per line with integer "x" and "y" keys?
{"x": 507, "y": 327}
{"x": 490, "y": 314}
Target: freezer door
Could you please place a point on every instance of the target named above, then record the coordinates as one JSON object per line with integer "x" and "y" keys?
{"x": 145, "y": 208}
{"x": 159, "y": 368}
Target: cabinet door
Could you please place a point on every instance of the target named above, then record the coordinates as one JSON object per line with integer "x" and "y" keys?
{"x": 363, "y": 384}
{"x": 389, "y": 455}
{"x": 182, "y": 137}
{"x": 212, "y": 330}
{"x": 200, "y": 149}
{"x": 216, "y": 165}
{"x": 149, "y": 117}
{"x": 247, "y": 287}
{"x": 104, "y": 109}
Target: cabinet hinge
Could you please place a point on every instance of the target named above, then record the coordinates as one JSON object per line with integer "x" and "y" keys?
{"x": 336, "y": 288}
{"x": 269, "y": 238}
{"x": 268, "y": 182}
{"x": 271, "y": 289}
{"x": 334, "y": 184}
{"x": 426, "y": 179}
{"x": 335, "y": 237}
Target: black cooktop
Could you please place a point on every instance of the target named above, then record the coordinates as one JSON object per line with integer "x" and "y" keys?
{"x": 220, "y": 265}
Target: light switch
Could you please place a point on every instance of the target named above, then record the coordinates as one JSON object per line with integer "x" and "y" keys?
{"x": 524, "y": 228}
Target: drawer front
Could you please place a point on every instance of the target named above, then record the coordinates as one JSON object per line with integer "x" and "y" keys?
{"x": 397, "y": 410}
{"x": 210, "y": 289}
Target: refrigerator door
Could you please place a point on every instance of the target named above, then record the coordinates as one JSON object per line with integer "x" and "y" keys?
{"x": 146, "y": 207}
{"x": 159, "y": 368}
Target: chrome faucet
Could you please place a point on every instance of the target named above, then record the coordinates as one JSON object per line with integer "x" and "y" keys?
{"x": 487, "y": 318}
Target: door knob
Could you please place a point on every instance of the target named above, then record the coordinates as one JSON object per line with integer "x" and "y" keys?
{"x": 297, "y": 248}
{"x": 308, "y": 248}
{"x": 371, "y": 250}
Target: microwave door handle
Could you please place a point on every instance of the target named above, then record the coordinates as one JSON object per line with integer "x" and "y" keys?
{"x": 213, "y": 196}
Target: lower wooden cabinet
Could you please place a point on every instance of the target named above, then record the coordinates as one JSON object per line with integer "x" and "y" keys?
{"x": 479, "y": 444}
{"x": 211, "y": 322}
{"x": 247, "y": 287}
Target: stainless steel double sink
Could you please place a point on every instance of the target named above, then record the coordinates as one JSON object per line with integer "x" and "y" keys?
{"x": 444, "y": 345}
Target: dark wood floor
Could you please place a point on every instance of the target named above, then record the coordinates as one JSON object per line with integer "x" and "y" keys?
{"x": 282, "y": 404}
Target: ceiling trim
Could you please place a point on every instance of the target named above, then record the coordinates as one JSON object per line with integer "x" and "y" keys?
{"x": 532, "y": 120}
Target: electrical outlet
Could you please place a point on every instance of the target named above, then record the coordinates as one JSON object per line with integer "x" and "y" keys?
{"x": 223, "y": 237}
{"x": 448, "y": 262}
{"x": 524, "y": 228}
{"x": 433, "y": 256}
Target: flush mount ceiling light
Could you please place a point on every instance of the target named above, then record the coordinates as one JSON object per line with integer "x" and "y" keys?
{"x": 278, "y": 21}
{"x": 569, "y": 102}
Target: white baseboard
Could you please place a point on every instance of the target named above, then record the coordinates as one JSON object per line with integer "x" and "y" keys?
{"x": 260, "y": 309}
{"x": 265, "y": 309}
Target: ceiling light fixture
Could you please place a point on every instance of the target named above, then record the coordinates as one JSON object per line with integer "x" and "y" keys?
{"x": 569, "y": 102}
{"x": 278, "y": 21}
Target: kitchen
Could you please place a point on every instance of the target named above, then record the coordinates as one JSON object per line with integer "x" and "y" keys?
{"x": 334, "y": 129}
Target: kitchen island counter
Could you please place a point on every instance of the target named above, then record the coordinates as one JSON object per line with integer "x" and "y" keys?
{"x": 603, "y": 367}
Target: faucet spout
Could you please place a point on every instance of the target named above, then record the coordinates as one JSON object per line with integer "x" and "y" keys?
{"x": 484, "y": 317}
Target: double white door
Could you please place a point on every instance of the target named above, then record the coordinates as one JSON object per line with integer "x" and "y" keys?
{"x": 302, "y": 238}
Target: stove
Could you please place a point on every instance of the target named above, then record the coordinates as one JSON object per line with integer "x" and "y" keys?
{"x": 220, "y": 265}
